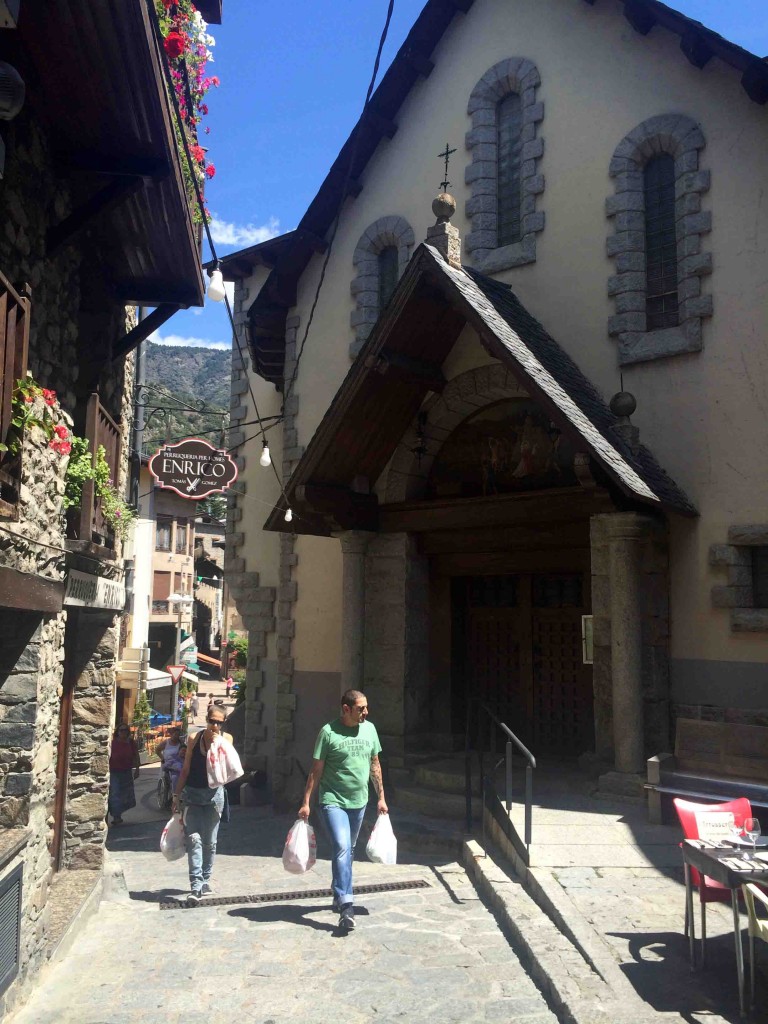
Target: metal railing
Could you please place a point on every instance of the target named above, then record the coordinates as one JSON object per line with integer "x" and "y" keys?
{"x": 475, "y": 743}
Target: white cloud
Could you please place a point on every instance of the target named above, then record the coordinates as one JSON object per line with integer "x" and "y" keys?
{"x": 176, "y": 340}
{"x": 227, "y": 233}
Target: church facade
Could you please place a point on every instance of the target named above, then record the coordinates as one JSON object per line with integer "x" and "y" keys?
{"x": 520, "y": 440}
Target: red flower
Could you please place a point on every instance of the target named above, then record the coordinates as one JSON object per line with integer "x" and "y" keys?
{"x": 61, "y": 432}
{"x": 174, "y": 44}
{"x": 198, "y": 153}
{"x": 215, "y": 81}
{"x": 49, "y": 396}
{"x": 210, "y": 171}
{"x": 60, "y": 447}
{"x": 29, "y": 399}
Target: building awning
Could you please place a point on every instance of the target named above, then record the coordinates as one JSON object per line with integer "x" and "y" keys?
{"x": 402, "y": 361}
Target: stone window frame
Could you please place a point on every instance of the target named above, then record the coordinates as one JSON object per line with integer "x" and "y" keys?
{"x": 681, "y": 137}
{"x": 392, "y": 230}
{"x": 738, "y": 593}
{"x": 519, "y": 75}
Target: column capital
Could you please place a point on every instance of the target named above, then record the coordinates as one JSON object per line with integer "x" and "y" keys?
{"x": 627, "y": 526}
{"x": 355, "y": 542}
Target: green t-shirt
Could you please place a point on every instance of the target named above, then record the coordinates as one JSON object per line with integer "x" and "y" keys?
{"x": 347, "y": 752}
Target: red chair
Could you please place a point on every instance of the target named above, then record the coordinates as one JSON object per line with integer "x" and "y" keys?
{"x": 710, "y": 891}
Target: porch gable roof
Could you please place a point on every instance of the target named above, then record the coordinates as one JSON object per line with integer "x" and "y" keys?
{"x": 401, "y": 362}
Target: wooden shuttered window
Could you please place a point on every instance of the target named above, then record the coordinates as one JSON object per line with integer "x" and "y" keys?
{"x": 661, "y": 308}
{"x": 161, "y": 586}
{"x": 509, "y": 122}
{"x": 14, "y": 346}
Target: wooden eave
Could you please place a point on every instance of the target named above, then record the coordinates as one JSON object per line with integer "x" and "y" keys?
{"x": 386, "y": 386}
{"x": 413, "y": 62}
{"x": 95, "y": 80}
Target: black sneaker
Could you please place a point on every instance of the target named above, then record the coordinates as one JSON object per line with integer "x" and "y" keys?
{"x": 347, "y": 918}
{"x": 194, "y": 896}
{"x": 206, "y": 890}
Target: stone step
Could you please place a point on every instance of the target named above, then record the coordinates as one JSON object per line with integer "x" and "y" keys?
{"x": 446, "y": 776}
{"x": 433, "y": 803}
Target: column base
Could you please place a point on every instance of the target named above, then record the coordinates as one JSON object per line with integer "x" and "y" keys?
{"x": 626, "y": 785}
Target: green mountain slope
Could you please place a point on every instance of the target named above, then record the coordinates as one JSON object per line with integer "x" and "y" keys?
{"x": 187, "y": 377}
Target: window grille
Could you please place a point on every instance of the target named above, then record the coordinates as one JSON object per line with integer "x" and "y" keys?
{"x": 163, "y": 534}
{"x": 181, "y": 536}
{"x": 388, "y": 274}
{"x": 660, "y": 243}
{"x": 509, "y": 120}
{"x": 10, "y": 927}
{"x": 760, "y": 576}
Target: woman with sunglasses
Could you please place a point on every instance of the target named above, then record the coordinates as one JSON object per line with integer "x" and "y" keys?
{"x": 203, "y": 805}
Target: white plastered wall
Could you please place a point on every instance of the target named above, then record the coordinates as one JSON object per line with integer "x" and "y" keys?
{"x": 703, "y": 415}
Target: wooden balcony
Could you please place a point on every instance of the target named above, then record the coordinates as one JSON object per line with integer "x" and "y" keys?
{"x": 87, "y": 525}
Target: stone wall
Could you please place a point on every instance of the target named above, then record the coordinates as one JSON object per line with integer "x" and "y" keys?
{"x": 91, "y": 651}
{"x": 654, "y": 590}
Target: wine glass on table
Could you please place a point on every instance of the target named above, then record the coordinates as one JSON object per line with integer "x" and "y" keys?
{"x": 752, "y": 831}
{"x": 736, "y": 829}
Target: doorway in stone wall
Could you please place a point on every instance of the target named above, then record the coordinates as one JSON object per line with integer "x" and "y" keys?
{"x": 63, "y": 746}
{"x": 517, "y": 648}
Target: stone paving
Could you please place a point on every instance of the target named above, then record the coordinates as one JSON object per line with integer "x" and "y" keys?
{"x": 435, "y": 954}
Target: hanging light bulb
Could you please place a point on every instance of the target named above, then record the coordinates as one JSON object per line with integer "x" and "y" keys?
{"x": 288, "y": 516}
{"x": 216, "y": 291}
{"x": 265, "y": 459}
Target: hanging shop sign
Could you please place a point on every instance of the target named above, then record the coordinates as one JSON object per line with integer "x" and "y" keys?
{"x": 193, "y": 468}
{"x": 87, "y": 591}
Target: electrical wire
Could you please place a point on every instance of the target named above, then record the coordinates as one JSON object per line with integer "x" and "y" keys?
{"x": 204, "y": 217}
{"x": 337, "y": 218}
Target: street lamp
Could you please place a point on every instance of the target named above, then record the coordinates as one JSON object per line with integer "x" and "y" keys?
{"x": 182, "y": 602}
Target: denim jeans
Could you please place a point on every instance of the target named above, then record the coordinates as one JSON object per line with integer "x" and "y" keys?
{"x": 201, "y": 825}
{"x": 343, "y": 827}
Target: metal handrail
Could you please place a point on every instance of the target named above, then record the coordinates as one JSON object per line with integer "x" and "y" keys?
{"x": 530, "y": 765}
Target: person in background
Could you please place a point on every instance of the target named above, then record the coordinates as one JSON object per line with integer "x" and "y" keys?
{"x": 171, "y": 752}
{"x": 346, "y": 754}
{"x": 194, "y": 705}
{"x": 230, "y": 680}
{"x": 123, "y": 769}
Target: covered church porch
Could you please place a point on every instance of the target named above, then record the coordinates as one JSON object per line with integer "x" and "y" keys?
{"x": 503, "y": 532}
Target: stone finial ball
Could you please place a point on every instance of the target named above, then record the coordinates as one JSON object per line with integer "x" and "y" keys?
{"x": 623, "y": 404}
{"x": 444, "y": 206}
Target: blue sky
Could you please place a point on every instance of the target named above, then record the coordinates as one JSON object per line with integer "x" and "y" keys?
{"x": 293, "y": 80}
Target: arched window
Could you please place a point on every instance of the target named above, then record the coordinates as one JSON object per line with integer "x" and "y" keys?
{"x": 388, "y": 273}
{"x": 509, "y": 128}
{"x": 660, "y": 243}
{"x": 505, "y": 170}
{"x": 657, "y": 242}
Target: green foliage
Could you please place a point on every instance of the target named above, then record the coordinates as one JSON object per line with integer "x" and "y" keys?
{"x": 239, "y": 645}
{"x": 79, "y": 470}
{"x": 214, "y": 506}
{"x": 240, "y": 677}
{"x": 28, "y": 412}
{"x": 142, "y": 711}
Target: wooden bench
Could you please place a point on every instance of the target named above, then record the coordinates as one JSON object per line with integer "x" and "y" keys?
{"x": 713, "y": 761}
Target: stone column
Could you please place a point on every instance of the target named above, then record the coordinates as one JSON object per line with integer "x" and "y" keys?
{"x": 353, "y": 547}
{"x": 626, "y": 533}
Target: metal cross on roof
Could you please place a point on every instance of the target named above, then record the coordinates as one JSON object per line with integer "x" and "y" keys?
{"x": 445, "y": 155}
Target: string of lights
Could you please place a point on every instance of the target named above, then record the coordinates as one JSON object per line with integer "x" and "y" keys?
{"x": 216, "y": 290}
{"x": 337, "y": 218}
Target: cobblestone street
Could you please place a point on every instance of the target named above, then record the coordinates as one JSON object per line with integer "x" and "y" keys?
{"x": 435, "y": 954}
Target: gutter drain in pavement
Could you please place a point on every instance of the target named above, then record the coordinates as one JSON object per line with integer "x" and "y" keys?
{"x": 298, "y": 894}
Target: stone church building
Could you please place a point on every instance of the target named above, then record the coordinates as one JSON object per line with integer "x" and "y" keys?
{"x": 522, "y": 445}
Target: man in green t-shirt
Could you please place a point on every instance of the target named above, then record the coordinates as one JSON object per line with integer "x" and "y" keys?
{"x": 346, "y": 755}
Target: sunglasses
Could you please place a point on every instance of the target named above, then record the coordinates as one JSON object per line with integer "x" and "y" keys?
{"x": 215, "y": 721}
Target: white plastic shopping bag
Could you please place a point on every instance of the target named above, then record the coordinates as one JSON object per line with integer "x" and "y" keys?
{"x": 382, "y": 846}
{"x": 173, "y": 842}
{"x": 223, "y": 763}
{"x": 300, "y": 850}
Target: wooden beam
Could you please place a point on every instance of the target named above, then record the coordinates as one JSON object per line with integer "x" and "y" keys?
{"x": 341, "y": 508}
{"x": 354, "y": 188}
{"x": 696, "y": 49}
{"x": 153, "y": 292}
{"x": 311, "y": 240}
{"x": 755, "y": 82}
{"x": 409, "y": 368}
{"x": 494, "y": 563}
{"x": 554, "y": 505}
{"x": 381, "y": 124}
{"x": 639, "y": 15}
{"x": 28, "y": 592}
{"x": 107, "y": 198}
{"x": 420, "y": 63}
{"x": 123, "y": 166}
{"x": 527, "y": 536}
{"x": 142, "y": 331}
{"x": 461, "y": 5}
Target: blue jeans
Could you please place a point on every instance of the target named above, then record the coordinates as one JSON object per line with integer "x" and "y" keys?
{"x": 343, "y": 827}
{"x": 201, "y": 825}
